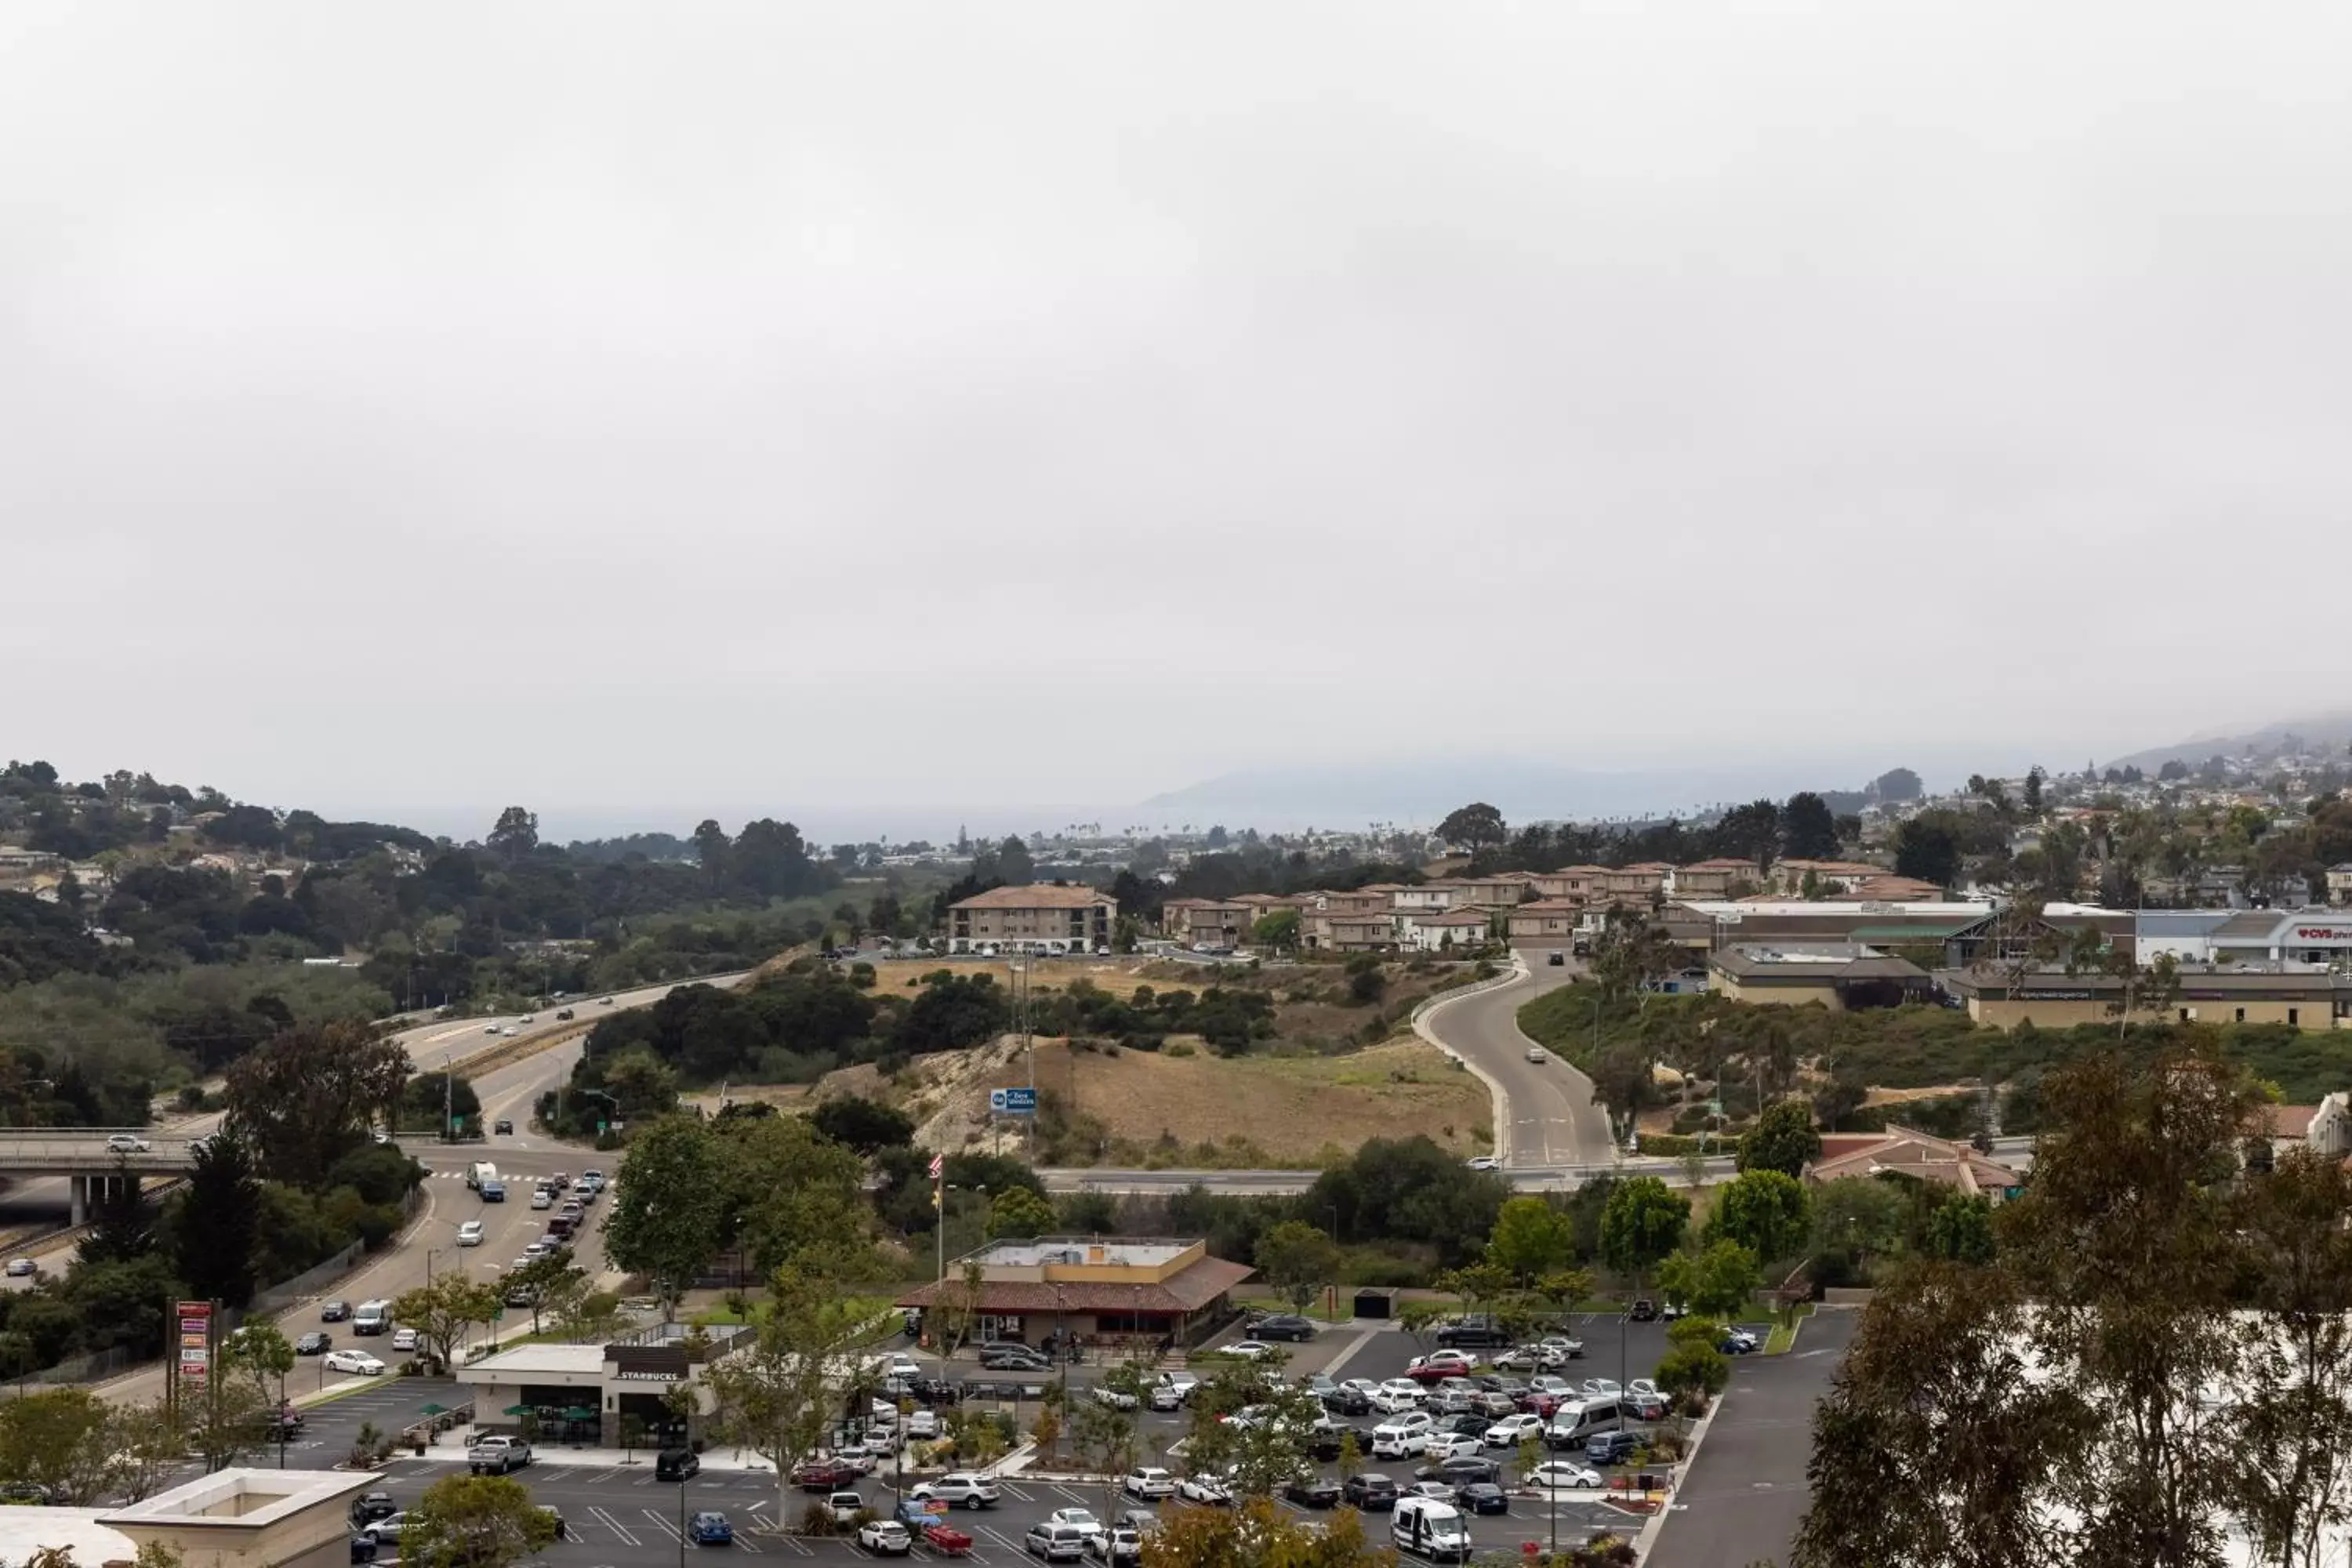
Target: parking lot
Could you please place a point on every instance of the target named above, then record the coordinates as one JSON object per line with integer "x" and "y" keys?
{"x": 619, "y": 1515}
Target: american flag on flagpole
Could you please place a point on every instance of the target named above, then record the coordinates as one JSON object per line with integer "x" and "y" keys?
{"x": 939, "y": 1166}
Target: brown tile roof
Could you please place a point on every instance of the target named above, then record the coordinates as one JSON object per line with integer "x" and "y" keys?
{"x": 1719, "y": 865}
{"x": 1550, "y": 907}
{"x": 1906, "y": 1152}
{"x": 1037, "y": 896}
{"x": 2287, "y": 1121}
{"x": 1189, "y": 1291}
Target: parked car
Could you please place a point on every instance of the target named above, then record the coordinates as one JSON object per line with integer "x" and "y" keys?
{"x": 1347, "y": 1400}
{"x": 1398, "y": 1393}
{"x": 845, "y": 1506}
{"x": 362, "y": 1549}
{"x": 1368, "y": 1490}
{"x": 1116, "y": 1398}
{"x": 1611, "y": 1448}
{"x": 1510, "y": 1430}
{"x": 1166, "y": 1397}
{"x": 1204, "y": 1488}
{"x": 1460, "y": 1471}
{"x": 709, "y": 1528}
{"x": 496, "y": 1455}
{"x": 1120, "y": 1547}
{"x": 1561, "y": 1475}
{"x": 824, "y": 1475}
{"x": 1312, "y": 1491}
{"x": 404, "y": 1338}
{"x": 1248, "y": 1349}
{"x": 886, "y": 1537}
{"x": 1149, "y": 1482}
{"x": 923, "y": 1426}
{"x": 372, "y": 1506}
{"x": 1076, "y": 1519}
{"x": 1473, "y": 1330}
{"x": 1482, "y": 1497}
{"x": 677, "y": 1465}
{"x": 1013, "y": 1360}
{"x": 1406, "y": 1433}
{"x": 1438, "y": 1364}
{"x": 1643, "y": 1311}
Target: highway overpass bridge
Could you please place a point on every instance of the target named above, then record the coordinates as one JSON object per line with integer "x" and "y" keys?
{"x": 80, "y": 1154}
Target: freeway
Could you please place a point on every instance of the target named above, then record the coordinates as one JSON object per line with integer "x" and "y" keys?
{"x": 429, "y": 1045}
{"x": 1544, "y": 1111}
{"x": 429, "y": 1244}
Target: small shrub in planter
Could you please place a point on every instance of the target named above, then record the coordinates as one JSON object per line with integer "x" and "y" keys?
{"x": 816, "y": 1520}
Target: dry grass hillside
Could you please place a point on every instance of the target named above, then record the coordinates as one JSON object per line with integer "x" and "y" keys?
{"x": 1336, "y": 1070}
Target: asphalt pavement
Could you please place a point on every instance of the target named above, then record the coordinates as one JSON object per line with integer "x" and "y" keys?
{"x": 620, "y": 1517}
{"x": 1547, "y": 1108}
{"x": 1743, "y": 1496}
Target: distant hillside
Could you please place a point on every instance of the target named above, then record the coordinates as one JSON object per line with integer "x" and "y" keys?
{"x": 1277, "y": 799}
{"x": 2327, "y": 732}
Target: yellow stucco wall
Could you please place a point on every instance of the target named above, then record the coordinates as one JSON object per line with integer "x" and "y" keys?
{"x": 2003, "y": 1013}
{"x": 1777, "y": 996}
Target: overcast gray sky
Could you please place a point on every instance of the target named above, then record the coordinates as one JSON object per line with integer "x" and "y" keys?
{"x": 633, "y": 410}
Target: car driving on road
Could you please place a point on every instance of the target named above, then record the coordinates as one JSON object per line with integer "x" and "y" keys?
{"x": 359, "y": 1361}
{"x": 126, "y": 1143}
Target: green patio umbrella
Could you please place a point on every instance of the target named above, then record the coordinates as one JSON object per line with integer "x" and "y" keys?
{"x": 516, "y": 1410}
{"x": 580, "y": 1413}
{"x": 435, "y": 1410}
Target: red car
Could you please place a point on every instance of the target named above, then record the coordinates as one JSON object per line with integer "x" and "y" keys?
{"x": 825, "y": 1475}
{"x": 1438, "y": 1366}
{"x": 947, "y": 1540}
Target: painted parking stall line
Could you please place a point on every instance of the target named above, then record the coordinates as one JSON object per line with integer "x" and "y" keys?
{"x": 616, "y": 1526}
{"x": 661, "y": 1522}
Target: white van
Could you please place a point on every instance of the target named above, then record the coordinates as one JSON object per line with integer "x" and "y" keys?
{"x": 373, "y": 1317}
{"x": 480, "y": 1171}
{"x": 470, "y": 1234}
{"x": 1572, "y": 1424}
{"x": 1430, "y": 1529}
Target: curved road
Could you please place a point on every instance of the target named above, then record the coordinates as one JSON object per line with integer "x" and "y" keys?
{"x": 1544, "y": 1111}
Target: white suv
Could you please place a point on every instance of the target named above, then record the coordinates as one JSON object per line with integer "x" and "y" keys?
{"x": 1149, "y": 1484}
{"x": 1401, "y": 1434}
{"x": 1398, "y": 1393}
{"x": 962, "y": 1487}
